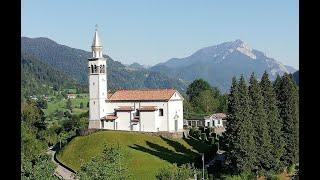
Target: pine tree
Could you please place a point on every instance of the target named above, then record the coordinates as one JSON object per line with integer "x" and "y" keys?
{"x": 239, "y": 140}
{"x": 289, "y": 113}
{"x": 230, "y": 135}
{"x": 276, "y": 85}
{"x": 246, "y": 128}
{"x": 275, "y": 124}
{"x": 260, "y": 125}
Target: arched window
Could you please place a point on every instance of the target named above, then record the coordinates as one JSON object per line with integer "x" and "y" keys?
{"x": 95, "y": 68}
{"x": 89, "y": 69}
{"x": 92, "y": 69}
{"x": 101, "y": 69}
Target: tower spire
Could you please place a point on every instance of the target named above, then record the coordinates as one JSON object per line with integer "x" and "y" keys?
{"x": 96, "y": 39}
{"x": 96, "y": 44}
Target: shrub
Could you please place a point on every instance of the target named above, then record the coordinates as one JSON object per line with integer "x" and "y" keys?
{"x": 191, "y": 131}
{"x": 203, "y": 136}
{"x": 196, "y": 134}
{"x": 175, "y": 173}
{"x": 242, "y": 176}
{"x": 272, "y": 176}
{"x": 291, "y": 169}
{"x": 201, "y": 129}
{"x": 108, "y": 165}
{"x": 208, "y": 131}
{"x": 211, "y": 140}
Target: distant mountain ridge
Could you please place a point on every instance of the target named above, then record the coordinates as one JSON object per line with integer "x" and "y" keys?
{"x": 38, "y": 77}
{"x": 73, "y": 62}
{"x": 218, "y": 64}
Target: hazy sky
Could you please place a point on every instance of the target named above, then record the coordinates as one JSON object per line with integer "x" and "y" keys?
{"x": 153, "y": 31}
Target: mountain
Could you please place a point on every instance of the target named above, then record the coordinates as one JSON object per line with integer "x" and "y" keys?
{"x": 296, "y": 77}
{"x": 73, "y": 62}
{"x": 218, "y": 64}
{"x": 38, "y": 77}
{"x": 137, "y": 66}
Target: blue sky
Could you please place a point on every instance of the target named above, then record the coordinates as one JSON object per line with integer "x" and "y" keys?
{"x": 153, "y": 31}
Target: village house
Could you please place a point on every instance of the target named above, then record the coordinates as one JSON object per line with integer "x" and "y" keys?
{"x": 216, "y": 121}
{"x": 146, "y": 110}
{"x": 71, "y": 96}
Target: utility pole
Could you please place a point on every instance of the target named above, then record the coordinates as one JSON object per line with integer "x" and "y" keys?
{"x": 203, "y": 166}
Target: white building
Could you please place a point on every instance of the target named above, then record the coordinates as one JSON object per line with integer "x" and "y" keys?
{"x": 71, "y": 96}
{"x": 148, "y": 110}
{"x": 215, "y": 121}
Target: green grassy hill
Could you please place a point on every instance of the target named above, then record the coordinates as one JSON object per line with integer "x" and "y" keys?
{"x": 146, "y": 153}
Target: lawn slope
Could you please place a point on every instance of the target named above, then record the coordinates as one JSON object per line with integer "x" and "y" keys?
{"x": 146, "y": 153}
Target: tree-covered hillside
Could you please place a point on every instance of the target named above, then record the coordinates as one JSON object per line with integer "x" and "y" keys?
{"x": 73, "y": 62}
{"x": 296, "y": 77}
{"x": 38, "y": 77}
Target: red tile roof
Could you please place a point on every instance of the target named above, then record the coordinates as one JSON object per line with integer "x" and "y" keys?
{"x": 124, "y": 108}
{"x": 148, "y": 108}
{"x": 109, "y": 94}
{"x": 142, "y": 95}
{"x": 110, "y": 117}
{"x": 219, "y": 115}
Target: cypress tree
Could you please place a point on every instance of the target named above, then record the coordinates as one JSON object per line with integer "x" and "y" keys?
{"x": 260, "y": 125}
{"x": 289, "y": 114}
{"x": 274, "y": 121}
{"x": 238, "y": 137}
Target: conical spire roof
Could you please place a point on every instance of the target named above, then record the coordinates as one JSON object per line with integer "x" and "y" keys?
{"x": 96, "y": 39}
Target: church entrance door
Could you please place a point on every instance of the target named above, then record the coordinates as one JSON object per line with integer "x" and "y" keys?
{"x": 176, "y": 125}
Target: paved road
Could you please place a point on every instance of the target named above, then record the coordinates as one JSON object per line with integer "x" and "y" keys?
{"x": 60, "y": 171}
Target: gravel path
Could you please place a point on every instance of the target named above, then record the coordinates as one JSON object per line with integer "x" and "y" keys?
{"x": 60, "y": 171}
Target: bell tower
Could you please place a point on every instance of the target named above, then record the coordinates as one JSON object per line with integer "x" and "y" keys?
{"x": 97, "y": 72}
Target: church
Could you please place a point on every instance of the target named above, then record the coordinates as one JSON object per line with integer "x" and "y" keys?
{"x": 145, "y": 110}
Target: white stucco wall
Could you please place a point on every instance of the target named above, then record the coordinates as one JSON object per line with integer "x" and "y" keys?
{"x": 123, "y": 120}
{"x": 218, "y": 122}
{"x": 175, "y": 107}
{"x": 150, "y": 121}
{"x": 97, "y": 91}
{"x": 161, "y": 121}
{"x": 147, "y": 121}
{"x": 109, "y": 125}
{"x": 136, "y": 127}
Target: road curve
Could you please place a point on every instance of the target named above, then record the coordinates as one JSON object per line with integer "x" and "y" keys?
{"x": 61, "y": 172}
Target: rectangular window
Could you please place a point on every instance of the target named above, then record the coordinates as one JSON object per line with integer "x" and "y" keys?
{"x": 189, "y": 123}
{"x": 208, "y": 124}
{"x": 160, "y": 112}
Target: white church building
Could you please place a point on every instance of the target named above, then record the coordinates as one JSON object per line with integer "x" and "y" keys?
{"x": 147, "y": 110}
